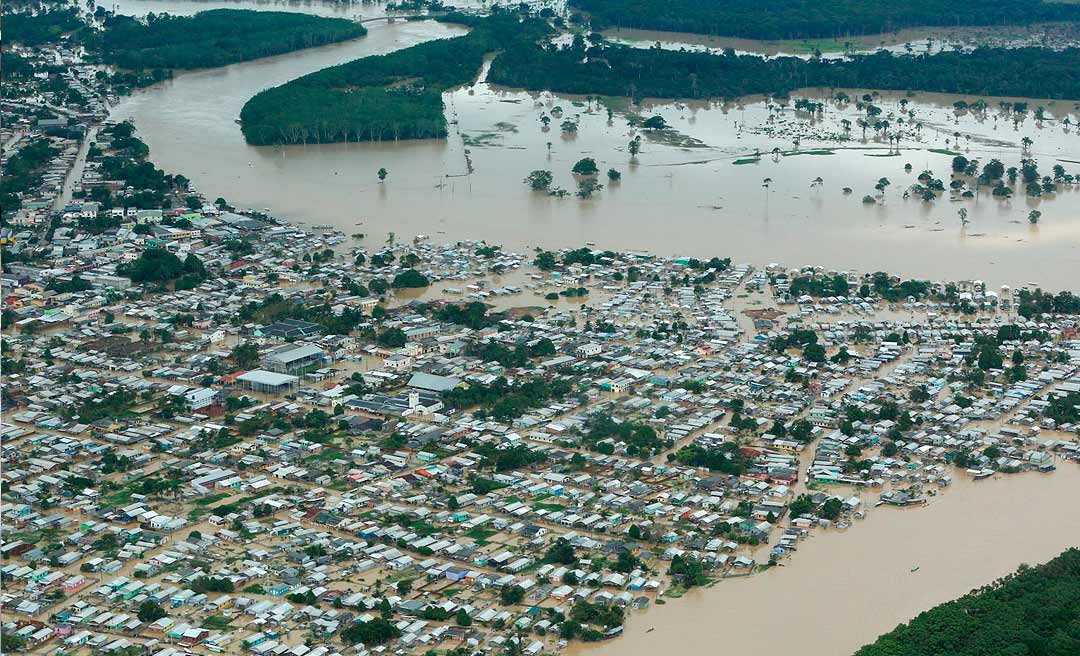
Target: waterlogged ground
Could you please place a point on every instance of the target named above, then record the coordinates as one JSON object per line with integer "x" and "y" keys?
{"x": 915, "y": 41}
{"x": 697, "y": 188}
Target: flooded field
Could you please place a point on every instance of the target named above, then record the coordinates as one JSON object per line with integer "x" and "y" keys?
{"x": 842, "y": 590}
{"x": 710, "y": 185}
{"x": 917, "y": 40}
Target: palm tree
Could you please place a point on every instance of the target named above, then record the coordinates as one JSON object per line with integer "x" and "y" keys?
{"x": 1026, "y": 142}
{"x": 963, "y": 214}
{"x": 390, "y": 237}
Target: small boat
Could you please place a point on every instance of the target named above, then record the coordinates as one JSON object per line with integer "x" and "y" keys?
{"x": 651, "y": 629}
{"x": 915, "y": 569}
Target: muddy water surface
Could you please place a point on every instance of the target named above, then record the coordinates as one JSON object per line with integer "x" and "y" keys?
{"x": 697, "y": 188}
{"x": 841, "y": 590}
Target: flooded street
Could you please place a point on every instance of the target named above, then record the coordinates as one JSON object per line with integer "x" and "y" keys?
{"x": 842, "y": 590}
{"x": 695, "y": 189}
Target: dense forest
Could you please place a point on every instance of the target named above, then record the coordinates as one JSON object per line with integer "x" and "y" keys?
{"x": 44, "y": 27}
{"x": 215, "y": 38}
{"x": 399, "y": 95}
{"x": 1035, "y": 611}
{"x": 392, "y": 96}
{"x": 624, "y": 71}
{"x": 807, "y": 19}
{"x": 22, "y": 172}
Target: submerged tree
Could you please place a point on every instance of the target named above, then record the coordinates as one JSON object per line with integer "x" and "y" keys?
{"x": 539, "y": 180}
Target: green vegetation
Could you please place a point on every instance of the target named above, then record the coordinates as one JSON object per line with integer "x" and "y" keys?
{"x": 41, "y": 28}
{"x": 392, "y": 96}
{"x": 378, "y": 631}
{"x": 802, "y": 19}
{"x": 621, "y": 70}
{"x": 515, "y": 457}
{"x": 409, "y": 279}
{"x": 130, "y": 166}
{"x": 603, "y": 432}
{"x": 157, "y": 265}
{"x": 112, "y": 406}
{"x": 1034, "y": 303}
{"x": 23, "y": 171}
{"x": 502, "y": 400}
{"x": 216, "y": 38}
{"x": 1035, "y": 610}
{"x": 835, "y": 286}
{"x": 726, "y": 458}
{"x": 473, "y": 314}
{"x": 150, "y": 611}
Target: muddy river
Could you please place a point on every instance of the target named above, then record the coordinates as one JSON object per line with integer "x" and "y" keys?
{"x": 697, "y": 188}
{"x": 842, "y": 590}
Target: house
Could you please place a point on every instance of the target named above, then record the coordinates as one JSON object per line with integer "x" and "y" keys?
{"x": 200, "y": 398}
{"x": 589, "y": 350}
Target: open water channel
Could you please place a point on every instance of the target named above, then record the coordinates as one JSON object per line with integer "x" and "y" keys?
{"x": 684, "y": 194}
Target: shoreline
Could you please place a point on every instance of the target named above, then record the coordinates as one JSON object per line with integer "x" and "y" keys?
{"x": 773, "y": 611}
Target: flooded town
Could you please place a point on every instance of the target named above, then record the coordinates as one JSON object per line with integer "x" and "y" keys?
{"x": 800, "y": 369}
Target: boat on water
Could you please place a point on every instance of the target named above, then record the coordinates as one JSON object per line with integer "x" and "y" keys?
{"x": 915, "y": 569}
{"x": 980, "y": 474}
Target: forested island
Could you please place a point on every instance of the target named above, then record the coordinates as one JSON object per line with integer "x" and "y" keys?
{"x": 808, "y": 19}
{"x": 620, "y": 70}
{"x": 399, "y": 95}
{"x": 1033, "y": 611}
{"x": 616, "y": 70}
{"x": 214, "y": 38}
{"x": 384, "y": 97}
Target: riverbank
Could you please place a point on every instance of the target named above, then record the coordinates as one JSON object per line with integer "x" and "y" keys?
{"x": 843, "y": 589}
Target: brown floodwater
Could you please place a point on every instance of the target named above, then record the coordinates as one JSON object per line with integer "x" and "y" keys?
{"x": 689, "y": 192}
{"x": 841, "y": 590}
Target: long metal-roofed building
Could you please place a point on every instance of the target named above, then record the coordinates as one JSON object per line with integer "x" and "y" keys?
{"x": 268, "y": 382}
{"x": 293, "y": 358}
{"x": 291, "y": 329}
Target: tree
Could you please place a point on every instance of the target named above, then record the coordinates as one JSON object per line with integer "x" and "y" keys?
{"x": 613, "y": 175}
{"x": 634, "y": 147}
{"x": 409, "y": 279}
{"x": 378, "y": 631}
{"x": 831, "y": 509}
{"x": 245, "y": 355}
{"x": 511, "y": 594}
{"x": 150, "y": 611}
{"x": 655, "y": 122}
{"x": 539, "y": 180}
{"x": 814, "y": 352}
{"x": 1034, "y": 216}
{"x": 462, "y": 618}
{"x": 382, "y": 174}
{"x": 585, "y": 166}
{"x": 587, "y": 187}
